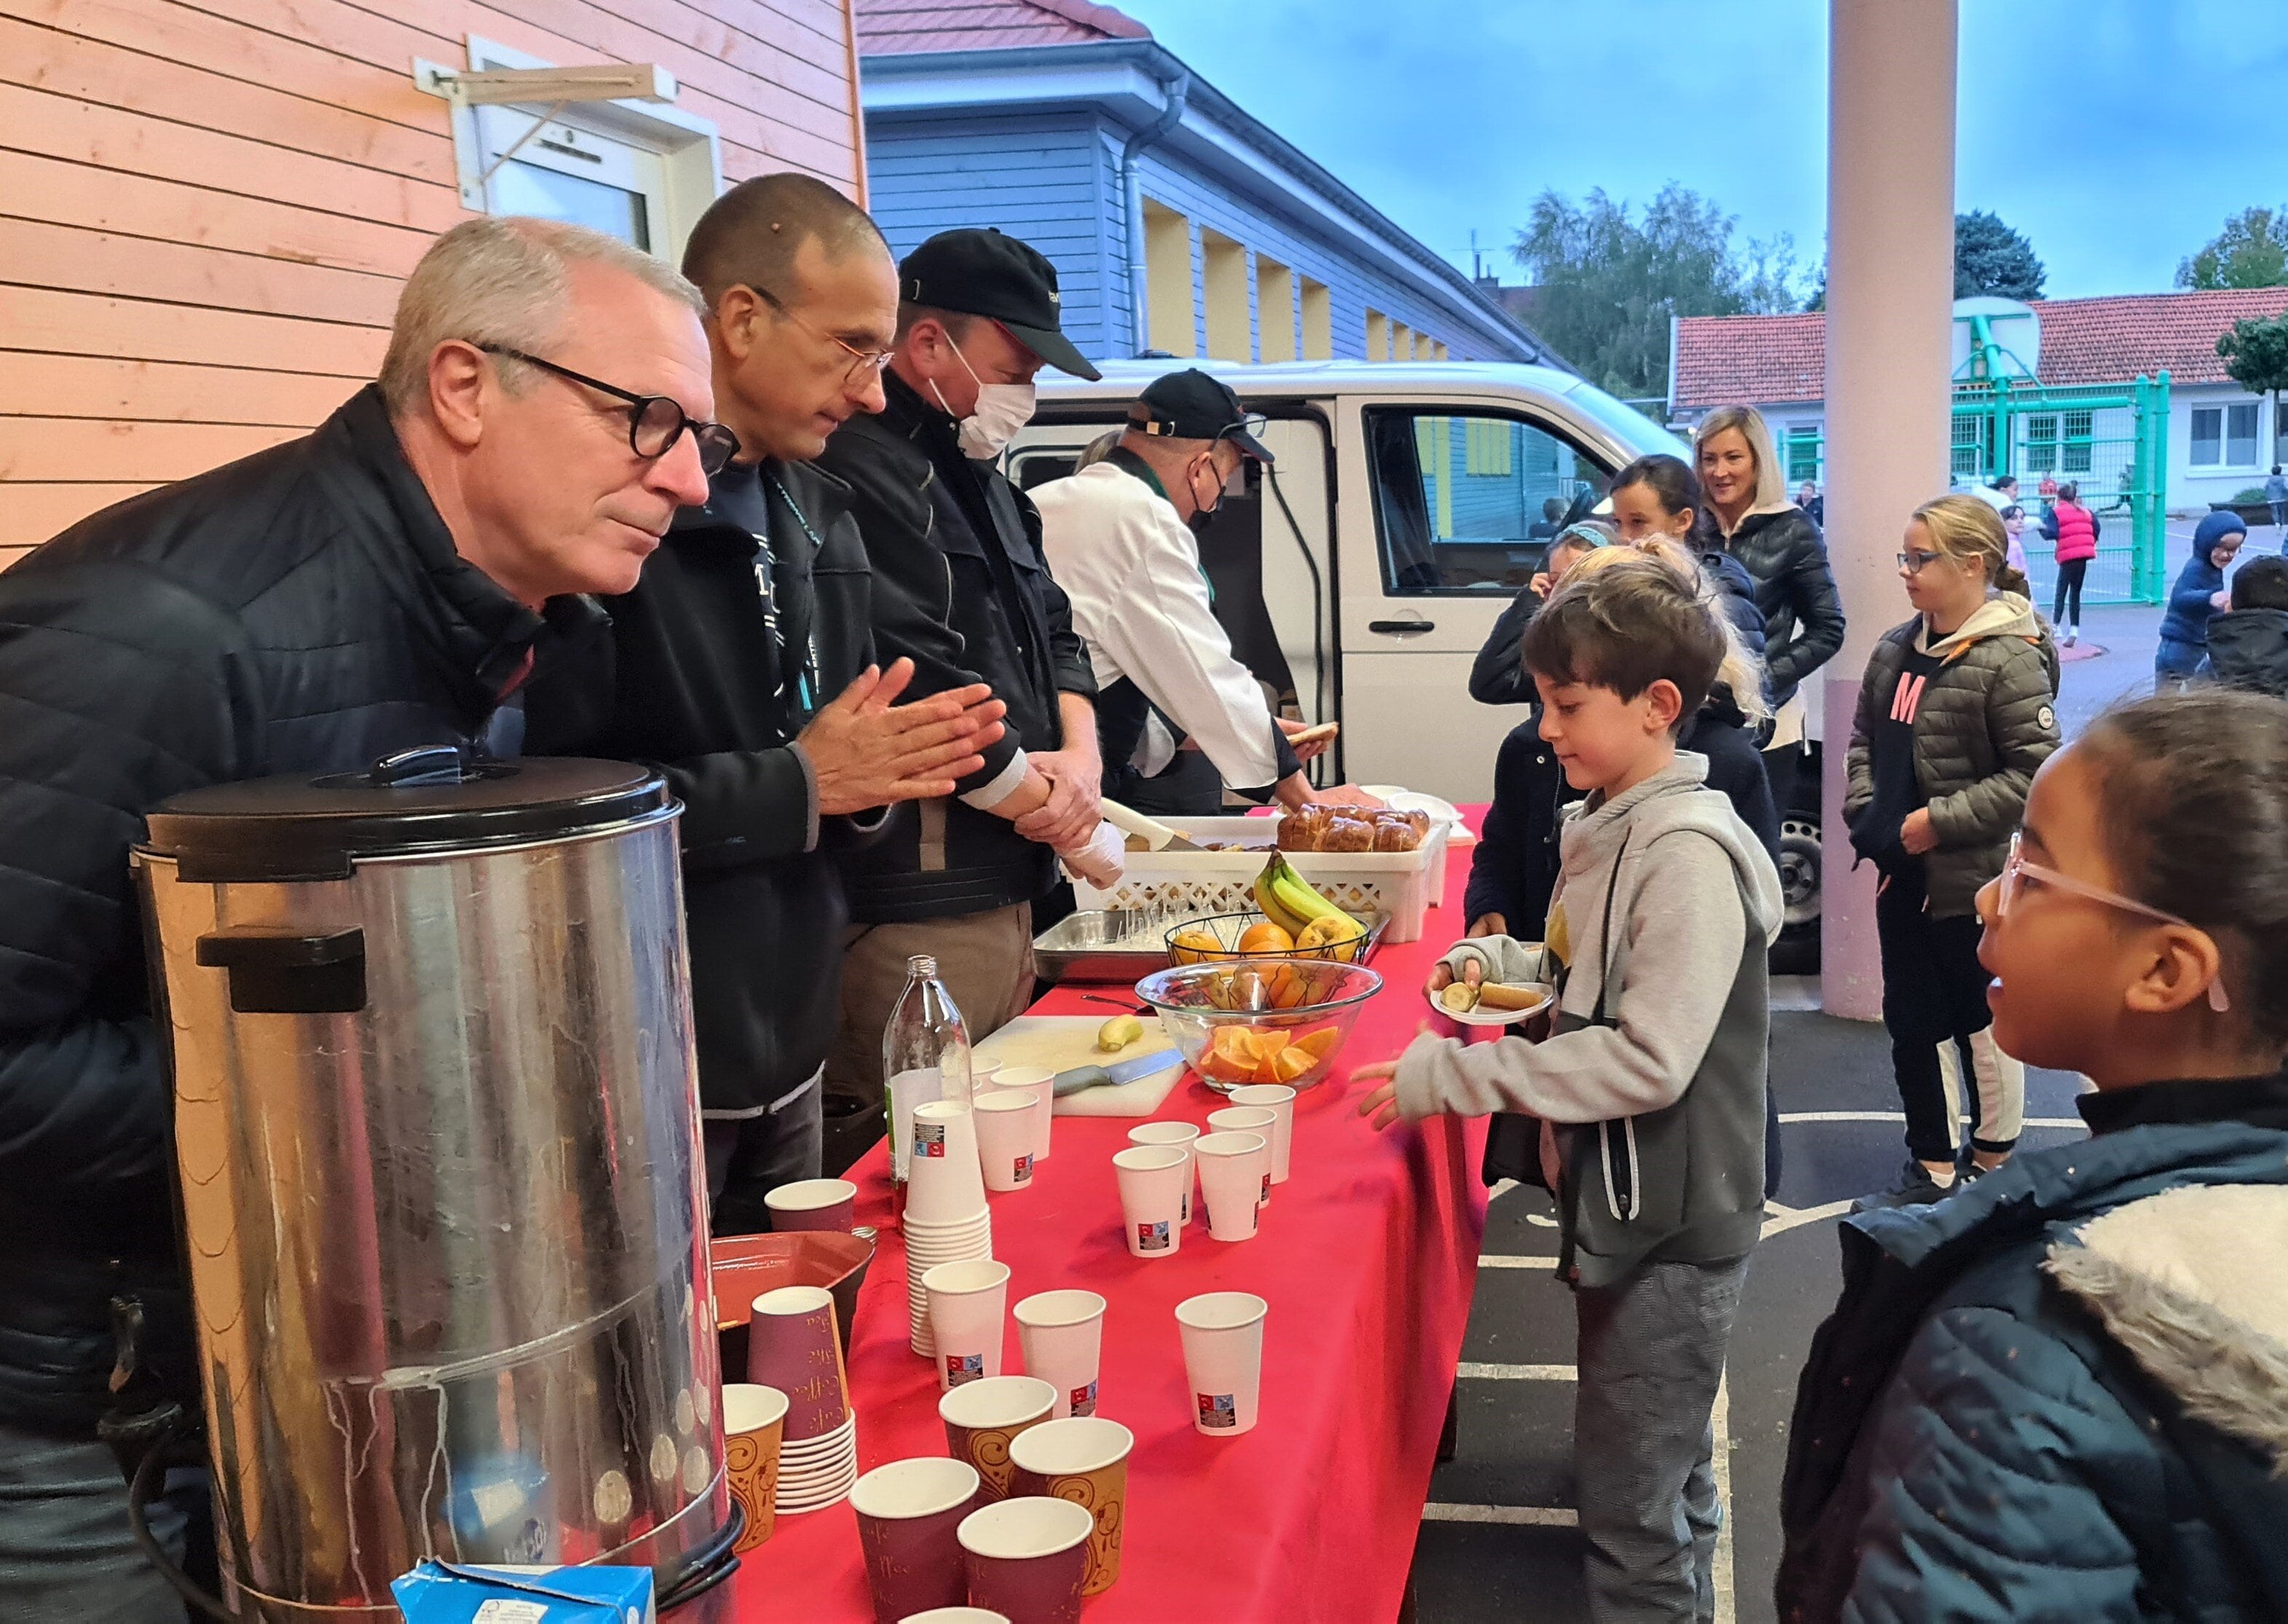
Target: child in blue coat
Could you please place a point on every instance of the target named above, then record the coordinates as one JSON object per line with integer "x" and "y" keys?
{"x": 2198, "y": 594}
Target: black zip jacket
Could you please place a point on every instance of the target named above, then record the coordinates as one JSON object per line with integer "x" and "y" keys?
{"x": 1514, "y": 870}
{"x": 2248, "y": 649}
{"x": 960, "y": 587}
{"x": 696, "y": 680}
{"x": 301, "y": 611}
{"x": 1498, "y": 676}
{"x": 1803, "y": 612}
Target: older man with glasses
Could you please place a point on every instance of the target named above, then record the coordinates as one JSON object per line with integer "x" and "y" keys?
{"x": 744, "y": 661}
{"x": 393, "y": 579}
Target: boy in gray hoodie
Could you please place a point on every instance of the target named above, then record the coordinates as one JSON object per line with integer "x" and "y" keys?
{"x": 1650, "y": 1089}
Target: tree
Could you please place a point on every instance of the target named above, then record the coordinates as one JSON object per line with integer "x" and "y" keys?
{"x": 2255, "y": 352}
{"x": 1991, "y": 258}
{"x": 1609, "y": 281}
{"x": 2252, "y": 251}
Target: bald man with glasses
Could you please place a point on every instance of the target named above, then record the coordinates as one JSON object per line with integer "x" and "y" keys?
{"x": 744, "y": 663}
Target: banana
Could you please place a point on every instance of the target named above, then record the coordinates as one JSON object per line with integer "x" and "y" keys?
{"x": 1295, "y": 893}
{"x": 1118, "y": 1033}
{"x": 1271, "y": 904}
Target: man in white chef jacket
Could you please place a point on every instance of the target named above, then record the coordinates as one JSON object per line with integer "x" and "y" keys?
{"x": 1118, "y": 539}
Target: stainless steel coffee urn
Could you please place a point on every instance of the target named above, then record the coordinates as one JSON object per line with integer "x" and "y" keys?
{"x": 436, "y": 1122}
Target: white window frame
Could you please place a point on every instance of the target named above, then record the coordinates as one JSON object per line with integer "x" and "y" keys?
{"x": 2192, "y": 440}
{"x": 2255, "y": 408}
{"x": 688, "y": 149}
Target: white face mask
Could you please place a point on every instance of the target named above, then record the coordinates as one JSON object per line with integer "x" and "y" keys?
{"x": 1002, "y": 410}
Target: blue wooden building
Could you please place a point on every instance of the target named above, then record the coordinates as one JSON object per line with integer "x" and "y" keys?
{"x": 1177, "y": 223}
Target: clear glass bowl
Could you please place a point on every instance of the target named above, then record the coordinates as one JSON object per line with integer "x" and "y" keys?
{"x": 1259, "y": 1019}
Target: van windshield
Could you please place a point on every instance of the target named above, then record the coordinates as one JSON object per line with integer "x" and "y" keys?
{"x": 1641, "y": 434}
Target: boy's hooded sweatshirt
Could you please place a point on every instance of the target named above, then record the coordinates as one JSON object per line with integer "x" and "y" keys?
{"x": 1653, "y": 1083}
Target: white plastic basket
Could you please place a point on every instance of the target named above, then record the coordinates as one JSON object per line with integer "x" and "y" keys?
{"x": 1181, "y": 885}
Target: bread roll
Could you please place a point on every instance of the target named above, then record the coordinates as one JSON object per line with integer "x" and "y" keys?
{"x": 1391, "y": 834}
{"x": 1495, "y": 995}
{"x": 1348, "y": 834}
{"x": 1304, "y": 828}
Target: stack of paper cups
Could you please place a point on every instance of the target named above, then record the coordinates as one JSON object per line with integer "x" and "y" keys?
{"x": 946, "y": 1220}
{"x": 791, "y": 1346}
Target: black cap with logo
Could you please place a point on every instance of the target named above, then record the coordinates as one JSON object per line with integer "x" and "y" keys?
{"x": 1191, "y": 405}
{"x": 989, "y": 273}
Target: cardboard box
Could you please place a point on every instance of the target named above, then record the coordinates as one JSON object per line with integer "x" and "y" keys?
{"x": 458, "y": 1593}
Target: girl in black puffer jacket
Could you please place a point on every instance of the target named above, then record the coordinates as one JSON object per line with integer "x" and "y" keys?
{"x": 1955, "y": 713}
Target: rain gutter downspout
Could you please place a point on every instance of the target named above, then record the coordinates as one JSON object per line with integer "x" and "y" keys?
{"x": 1173, "y": 93}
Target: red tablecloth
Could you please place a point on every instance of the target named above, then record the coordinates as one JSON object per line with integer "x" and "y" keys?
{"x": 1367, "y": 1255}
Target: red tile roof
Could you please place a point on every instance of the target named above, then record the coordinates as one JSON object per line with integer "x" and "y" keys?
{"x": 887, "y": 28}
{"x": 1749, "y": 358}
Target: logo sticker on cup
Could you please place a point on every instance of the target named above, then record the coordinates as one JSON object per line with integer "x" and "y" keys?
{"x": 1021, "y": 1170}
{"x": 1217, "y": 1409}
{"x": 960, "y": 1367}
{"x": 929, "y": 1138}
{"x": 1084, "y": 1400}
{"x": 1266, "y": 1196}
{"x": 1152, "y": 1236}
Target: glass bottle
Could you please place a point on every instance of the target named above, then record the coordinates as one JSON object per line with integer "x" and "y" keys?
{"x": 925, "y": 1057}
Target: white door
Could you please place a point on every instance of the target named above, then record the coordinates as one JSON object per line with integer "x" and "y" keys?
{"x": 1458, "y": 505}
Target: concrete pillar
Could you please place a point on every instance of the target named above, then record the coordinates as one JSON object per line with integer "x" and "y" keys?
{"x": 1890, "y": 295}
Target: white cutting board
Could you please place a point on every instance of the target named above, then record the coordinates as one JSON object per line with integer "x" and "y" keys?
{"x": 1062, "y": 1042}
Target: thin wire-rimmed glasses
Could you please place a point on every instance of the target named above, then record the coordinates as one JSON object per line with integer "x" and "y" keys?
{"x": 2016, "y": 870}
{"x": 865, "y": 365}
{"x": 655, "y": 421}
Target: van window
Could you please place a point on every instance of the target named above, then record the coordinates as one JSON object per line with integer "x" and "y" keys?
{"x": 1467, "y": 502}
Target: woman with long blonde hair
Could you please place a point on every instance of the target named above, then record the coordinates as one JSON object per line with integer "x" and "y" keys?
{"x": 1956, "y": 711}
{"x": 1751, "y": 518}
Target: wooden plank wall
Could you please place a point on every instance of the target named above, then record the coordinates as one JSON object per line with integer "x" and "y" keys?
{"x": 206, "y": 205}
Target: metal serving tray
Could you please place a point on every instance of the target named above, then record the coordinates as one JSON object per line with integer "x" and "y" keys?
{"x": 1105, "y": 947}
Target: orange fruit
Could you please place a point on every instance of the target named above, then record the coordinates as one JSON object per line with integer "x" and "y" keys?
{"x": 1319, "y": 1044}
{"x": 1287, "y": 987}
{"x": 1190, "y": 947}
{"x": 1270, "y": 1043}
{"x": 1263, "y": 936}
{"x": 1291, "y": 1063}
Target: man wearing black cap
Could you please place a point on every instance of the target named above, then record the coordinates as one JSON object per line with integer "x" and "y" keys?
{"x": 961, "y": 588}
{"x": 1118, "y": 535}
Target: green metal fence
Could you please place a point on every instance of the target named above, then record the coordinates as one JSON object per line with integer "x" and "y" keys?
{"x": 2110, "y": 440}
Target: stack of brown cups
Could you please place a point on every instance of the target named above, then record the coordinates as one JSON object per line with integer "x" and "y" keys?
{"x": 792, "y": 1346}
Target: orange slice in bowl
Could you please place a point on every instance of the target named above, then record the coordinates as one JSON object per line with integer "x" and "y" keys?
{"x": 1290, "y": 1062}
{"x": 1320, "y": 1044}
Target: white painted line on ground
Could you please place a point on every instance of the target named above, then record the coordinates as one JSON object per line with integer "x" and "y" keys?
{"x": 1720, "y": 1465}
{"x": 1782, "y": 1219}
{"x": 1516, "y": 1372}
{"x": 1501, "y": 1187}
{"x": 1495, "y": 1261}
{"x": 1892, "y": 1116}
{"x": 1537, "y": 1516}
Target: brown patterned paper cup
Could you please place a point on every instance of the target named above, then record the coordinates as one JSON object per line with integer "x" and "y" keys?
{"x": 753, "y": 1420}
{"x": 1084, "y": 1460}
{"x": 791, "y": 1346}
{"x": 909, "y": 1513}
{"x": 1027, "y": 1559}
{"x": 982, "y": 1417}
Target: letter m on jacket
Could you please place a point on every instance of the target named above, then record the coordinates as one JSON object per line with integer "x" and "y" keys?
{"x": 1907, "y": 697}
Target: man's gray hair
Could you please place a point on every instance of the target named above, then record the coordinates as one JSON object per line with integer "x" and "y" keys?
{"x": 503, "y": 280}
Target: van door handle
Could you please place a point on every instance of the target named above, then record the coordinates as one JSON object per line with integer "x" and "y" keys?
{"x": 1402, "y": 628}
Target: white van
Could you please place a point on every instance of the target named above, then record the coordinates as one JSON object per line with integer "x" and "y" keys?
{"x": 1410, "y": 503}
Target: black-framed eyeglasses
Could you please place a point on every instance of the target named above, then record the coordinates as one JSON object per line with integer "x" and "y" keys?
{"x": 1915, "y": 564}
{"x": 655, "y": 421}
{"x": 864, "y": 365}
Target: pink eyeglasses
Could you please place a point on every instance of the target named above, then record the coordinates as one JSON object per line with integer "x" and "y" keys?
{"x": 2016, "y": 870}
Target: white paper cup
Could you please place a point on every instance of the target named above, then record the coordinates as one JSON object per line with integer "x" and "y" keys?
{"x": 1062, "y": 1334}
{"x": 1279, "y": 1100}
{"x": 1152, "y": 1179}
{"x": 1223, "y": 1360}
{"x": 1232, "y": 1168}
{"x": 945, "y": 1183}
{"x": 968, "y": 1303}
{"x": 1025, "y": 1077}
{"x": 1004, "y": 1120}
{"x": 956, "y": 1615}
{"x": 1183, "y": 1133}
{"x": 981, "y": 1071}
{"x": 1249, "y": 1119}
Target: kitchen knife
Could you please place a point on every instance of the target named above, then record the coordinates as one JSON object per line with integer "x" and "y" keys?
{"x": 1119, "y": 1071}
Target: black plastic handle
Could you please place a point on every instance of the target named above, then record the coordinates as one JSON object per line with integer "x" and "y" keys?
{"x": 425, "y": 764}
{"x": 1401, "y": 628}
{"x": 287, "y": 972}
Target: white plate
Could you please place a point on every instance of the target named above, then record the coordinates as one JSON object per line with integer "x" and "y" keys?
{"x": 1403, "y": 799}
{"x": 1491, "y": 1017}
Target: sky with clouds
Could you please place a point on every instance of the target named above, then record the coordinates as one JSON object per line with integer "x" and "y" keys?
{"x": 2116, "y": 134}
